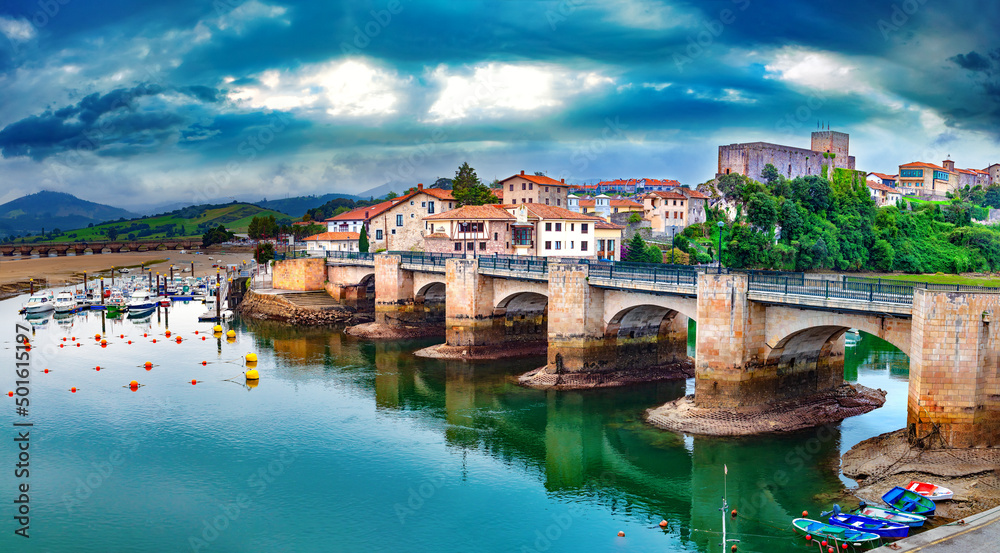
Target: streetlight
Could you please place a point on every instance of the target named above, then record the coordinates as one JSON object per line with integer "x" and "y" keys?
{"x": 672, "y": 230}
{"x": 721, "y": 224}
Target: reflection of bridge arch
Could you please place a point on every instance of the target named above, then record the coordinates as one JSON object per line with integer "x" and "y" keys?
{"x": 524, "y": 316}
{"x": 648, "y": 335}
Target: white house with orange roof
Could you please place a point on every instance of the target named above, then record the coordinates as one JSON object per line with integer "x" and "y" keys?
{"x": 319, "y": 244}
{"x": 882, "y": 194}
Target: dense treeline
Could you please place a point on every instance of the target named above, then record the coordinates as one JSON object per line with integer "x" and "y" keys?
{"x": 831, "y": 222}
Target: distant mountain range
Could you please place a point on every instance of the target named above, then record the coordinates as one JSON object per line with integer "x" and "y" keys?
{"x": 53, "y": 210}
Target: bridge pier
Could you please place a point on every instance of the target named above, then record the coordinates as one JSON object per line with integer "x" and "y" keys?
{"x": 954, "y": 393}
{"x": 576, "y": 327}
{"x": 470, "y": 326}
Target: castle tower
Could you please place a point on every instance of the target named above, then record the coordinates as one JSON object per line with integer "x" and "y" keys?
{"x": 833, "y": 142}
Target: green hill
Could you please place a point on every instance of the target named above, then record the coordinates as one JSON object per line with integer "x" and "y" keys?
{"x": 299, "y": 205}
{"x": 53, "y": 210}
{"x": 188, "y": 222}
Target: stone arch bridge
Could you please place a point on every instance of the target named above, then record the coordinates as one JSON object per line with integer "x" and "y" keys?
{"x": 761, "y": 338}
{"x": 80, "y": 248}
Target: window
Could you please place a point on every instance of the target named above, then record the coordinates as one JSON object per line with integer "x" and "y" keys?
{"x": 558, "y": 245}
{"x": 470, "y": 227}
{"x": 572, "y": 226}
{"x": 548, "y": 245}
{"x": 531, "y": 186}
{"x": 471, "y": 246}
{"x": 611, "y": 246}
{"x": 548, "y": 226}
{"x": 913, "y": 173}
{"x": 522, "y": 236}
{"x": 616, "y": 210}
{"x": 546, "y": 188}
{"x": 530, "y": 200}
{"x": 399, "y": 220}
{"x": 378, "y": 234}
{"x": 430, "y": 208}
{"x": 451, "y": 205}
{"x": 412, "y": 215}
{"x": 394, "y": 231}
{"x": 482, "y": 245}
{"x": 583, "y": 228}
{"x": 940, "y": 175}
{"x": 423, "y": 204}
{"x": 411, "y": 202}
{"x": 512, "y": 188}
{"x": 496, "y": 236}
{"x": 789, "y": 169}
{"x": 600, "y": 246}
{"x": 546, "y": 201}
{"x": 583, "y": 246}
{"x": 572, "y": 244}
{"x": 558, "y": 227}
{"x": 458, "y": 246}
{"x": 558, "y": 202}
{"x": 524, "y": 186}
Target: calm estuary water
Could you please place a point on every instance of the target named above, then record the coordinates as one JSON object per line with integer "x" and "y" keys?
{"x": 348, "y": 445}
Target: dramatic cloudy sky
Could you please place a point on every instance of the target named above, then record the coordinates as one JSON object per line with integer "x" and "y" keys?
{"x": 133, "y": 102}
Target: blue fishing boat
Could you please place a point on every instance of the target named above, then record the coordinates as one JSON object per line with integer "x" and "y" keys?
{"x": 838, "y": 534}
{"x": 892, "y": 515}
{"x": 881, "y": 528}
{"x": 907, "y": 501}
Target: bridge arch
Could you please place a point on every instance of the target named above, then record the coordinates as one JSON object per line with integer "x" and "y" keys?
{"x": 523, "y": 316}
{"x": 647, "y": 335}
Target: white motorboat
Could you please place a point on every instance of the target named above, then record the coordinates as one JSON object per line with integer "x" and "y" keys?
{"x": 64, "y": 302}
{"x": 39, "y": 302}
{"x": 141, "y": 300}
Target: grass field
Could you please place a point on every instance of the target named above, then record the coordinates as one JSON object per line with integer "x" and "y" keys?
{"x": 947, "y": 279}
{"x": 235, "y": 217}
{"x": 923, "y": 201}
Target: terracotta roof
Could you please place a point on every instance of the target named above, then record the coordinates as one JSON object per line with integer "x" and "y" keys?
{"x": 438, "y": 193}
{"x": 884, "y": 176}
{"x": 602, "y": 224}
{"x": 364, "y": 213}
{"x": 333, "y": 236}
{"x": 614, "y": 203}
{"x": 879, "y": 186}
{"x": 537, "y": 179}
{"x": 668, "y": 195}
{"x": 304, "y": 223}
{"x": 924, "y": 164}
{"x": 691, "y": 193}
{"x": 472, "y": 212}
{"x": 541, "y": 211}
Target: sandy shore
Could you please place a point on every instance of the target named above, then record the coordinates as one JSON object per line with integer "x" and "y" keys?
{"x": 68, "y": 269}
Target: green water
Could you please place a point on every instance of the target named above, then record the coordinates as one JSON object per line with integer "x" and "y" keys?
{"x": 348, "y": 445}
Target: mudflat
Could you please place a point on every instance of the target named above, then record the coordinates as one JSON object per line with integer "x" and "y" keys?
{"x": 69, "y": 269}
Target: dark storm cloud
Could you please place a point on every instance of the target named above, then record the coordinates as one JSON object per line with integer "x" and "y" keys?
{"x": 98, "y": 122}
{"x": 971, "y": 61}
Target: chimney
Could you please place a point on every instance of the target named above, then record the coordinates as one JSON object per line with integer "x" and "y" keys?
{"x": 562, "y": 181}
{"x": 366, "y": 215}
{"x": 420, "y": 186}
{"x": 522, "y": 171}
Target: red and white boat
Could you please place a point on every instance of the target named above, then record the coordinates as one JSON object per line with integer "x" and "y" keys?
{"x": 930, "y": 491}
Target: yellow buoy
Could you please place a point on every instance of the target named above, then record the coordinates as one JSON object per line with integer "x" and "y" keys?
{"x": 253, "y": 375}
{"x": 231, "y": 334}
{"x": 251, "y": 358}
{"x": 217, "y": 328}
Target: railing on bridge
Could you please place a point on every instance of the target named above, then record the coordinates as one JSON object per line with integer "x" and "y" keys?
{"x": 355, "y": 256}
{"x": 531, "y": 265}
{"x": 645, "y": 272}
{"x": 426, "y": 259}
{"x": 862, "y": 291}
{"x": 934, "y": 287}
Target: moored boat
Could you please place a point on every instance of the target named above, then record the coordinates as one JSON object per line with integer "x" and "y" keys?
{"x": 910, "y": 519}
{"x": 64, "y": 302}
{"x": 881, "y": 528}
{"x": 902, "y": 499}
{"x": 839, "y": 534}
{"x": 930, "y": 491}
{"x": 116, "y": 303}
{"x": 39, "y": 302}
{"x": 141, "y": 300}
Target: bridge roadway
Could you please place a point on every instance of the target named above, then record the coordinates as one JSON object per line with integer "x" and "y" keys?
{"x": 762, "y": 337}
{"x": 98, "y": 247}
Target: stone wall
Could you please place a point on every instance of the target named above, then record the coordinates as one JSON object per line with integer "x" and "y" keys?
{"x": 954, "y": 394}
{"x": 750, "y": 159}
{"x": 274, "y": 307}
{"x": 300, "y": 274}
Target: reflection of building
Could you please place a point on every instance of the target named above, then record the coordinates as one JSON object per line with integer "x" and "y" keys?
{"x": 828, "y": 148}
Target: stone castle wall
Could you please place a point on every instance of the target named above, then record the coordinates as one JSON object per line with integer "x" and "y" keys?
{"x": 300, "y": 274}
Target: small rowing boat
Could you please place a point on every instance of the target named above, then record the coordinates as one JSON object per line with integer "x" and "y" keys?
{"x": 881, "y": 528}
{"x": 838, "y": 534}
{"x": 891, "y": 515}
{"x": 930, "y": 491}
{"x": 904, "y": 500}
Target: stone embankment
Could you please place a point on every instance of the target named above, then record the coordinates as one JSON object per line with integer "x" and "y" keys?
{"x": 306, "y": 309}
{"x": 545, "y": 379}
{"x": 880, "y": 463}
{"x": 500, "y": 351}
{"x": 848, "y": 400}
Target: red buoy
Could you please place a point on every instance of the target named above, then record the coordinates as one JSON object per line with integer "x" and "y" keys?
{"x": 11, "y": 394}
{"x": 808, "y": 537}
{"x": 203, "y": 363}
{"x": 154, "y": 340}
{"x": 663, "y": 524}
{"x": 733, "y": 513}
{"x": 621, "y": 534}
{"x": 149, "y": 364}
{"x": 844, "y": 546}
{"x": 202, "y": 337}
{"x": 121, "y": 336}
{"x": 193, "y": 382}
{"x": 168, "y": 334}
{"x": 805, "y": 514}
{"x": 73, "y": 389}
{"x": 45, "y": 371}
{"x": 823, "y": 543}
{"x": 61, "y": 345}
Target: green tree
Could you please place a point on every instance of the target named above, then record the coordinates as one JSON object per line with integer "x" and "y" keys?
{"x": 882, "y": 256}
{"x": 216, "y": 235}
{"x": 770, "y": 175}
{"x": 263, "y": 252}
{"x": 391, "y": 195}
{"x": 791, "y": 220}
{"x": 262, "y": 227}
{"x": 762, "y": 211}
{"x": 635, "y": 250}
{"x": 112, "y": 233}
{"x": 469, "y": 190}
{"x": 363, "y": 240}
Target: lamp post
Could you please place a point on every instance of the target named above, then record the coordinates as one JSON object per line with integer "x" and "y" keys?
{"x": 673, "y": 229}
{"x": 721, "y": 224}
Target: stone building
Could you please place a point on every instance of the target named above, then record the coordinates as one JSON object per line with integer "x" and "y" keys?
{"x": 471, "y": 230}
{"x": 589, "y": 206}
{"x": 534, "y": 189}
{"x": 829, "y": 148}
{"x": 402, "y": 225}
